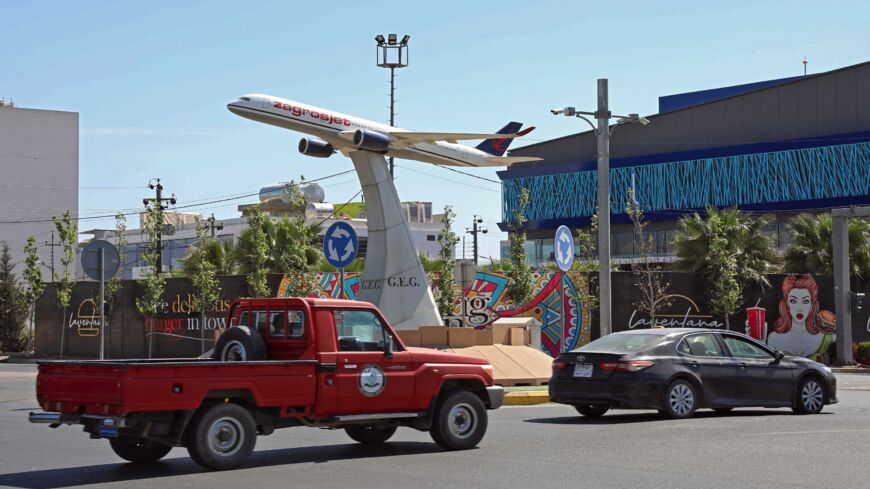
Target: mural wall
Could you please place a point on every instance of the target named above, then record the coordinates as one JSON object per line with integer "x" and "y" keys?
{"x": 798, "y": 313}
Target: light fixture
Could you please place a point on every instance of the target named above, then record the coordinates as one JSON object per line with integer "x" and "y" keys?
{"x": 380, "y": 39}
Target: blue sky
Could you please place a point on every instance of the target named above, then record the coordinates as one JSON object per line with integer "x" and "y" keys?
{"x": 151, "y": 80}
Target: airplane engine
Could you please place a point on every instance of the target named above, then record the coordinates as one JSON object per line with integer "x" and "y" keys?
{"x": 371, "y": 141}
{"x": 315, "y": 147}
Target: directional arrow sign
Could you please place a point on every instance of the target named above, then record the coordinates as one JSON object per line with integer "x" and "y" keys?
{"x": 563, "y": 248}
{"x": 340, "y": 244}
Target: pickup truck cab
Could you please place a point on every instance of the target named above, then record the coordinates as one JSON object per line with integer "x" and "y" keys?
{"x": 321, "y": 363}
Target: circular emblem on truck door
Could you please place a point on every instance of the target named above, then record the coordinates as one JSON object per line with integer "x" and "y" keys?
{"x": 371, "y": 380}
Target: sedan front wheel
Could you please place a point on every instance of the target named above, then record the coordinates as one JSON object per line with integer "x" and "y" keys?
{"x": 810, "y": 397}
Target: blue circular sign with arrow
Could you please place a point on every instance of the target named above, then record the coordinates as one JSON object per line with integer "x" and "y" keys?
{"x": 339, "y": 244}
{"x": 563, "y": 248}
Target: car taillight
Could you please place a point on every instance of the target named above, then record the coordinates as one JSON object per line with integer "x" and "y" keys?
{"x": 559, "y": 365}
{"x": 630, "y": 366}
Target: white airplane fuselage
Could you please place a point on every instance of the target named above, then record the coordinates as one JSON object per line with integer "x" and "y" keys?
{"x": 327, "y": 125}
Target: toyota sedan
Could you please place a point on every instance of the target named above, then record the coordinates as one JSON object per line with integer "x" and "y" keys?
{"x": 680, "y": 370}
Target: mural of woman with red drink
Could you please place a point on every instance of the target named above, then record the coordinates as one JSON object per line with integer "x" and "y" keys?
{"x": 802, "y": 329}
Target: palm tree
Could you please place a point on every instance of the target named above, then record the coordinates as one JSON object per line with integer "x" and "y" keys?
{"x": 221, "y": 254}
{"x": 290, "y": 247}
{"x": 752, "y": 247}
{"x": 811, "y": 249}
{"x": 429, "y": 264}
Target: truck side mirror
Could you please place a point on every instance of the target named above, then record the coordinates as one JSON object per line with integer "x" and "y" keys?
{"x": 388, "y": 346}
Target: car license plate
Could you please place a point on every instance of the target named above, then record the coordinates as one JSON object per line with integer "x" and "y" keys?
{"x": 583, "y": 370}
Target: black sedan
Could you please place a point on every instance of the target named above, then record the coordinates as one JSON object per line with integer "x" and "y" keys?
{"x": 679, "y": 370}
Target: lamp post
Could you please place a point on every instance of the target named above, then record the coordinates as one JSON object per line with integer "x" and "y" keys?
{"x": 603, "y": 133}
{"x": 392, "y": 53}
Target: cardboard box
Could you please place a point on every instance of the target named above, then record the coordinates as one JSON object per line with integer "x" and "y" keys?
{"x": 460, "y": 337}
{"x": 517, "y": 337}
{"x": 410, "y": 337}
{"x": 433, "y": 336}
{"x": 501, "y": 334}
{"x": 483, "y": 336}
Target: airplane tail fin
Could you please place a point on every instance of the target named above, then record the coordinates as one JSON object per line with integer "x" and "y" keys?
{"x": 497, "y": 147}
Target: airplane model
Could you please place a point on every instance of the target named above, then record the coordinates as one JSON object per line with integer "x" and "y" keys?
{"x": 333, "y": 132}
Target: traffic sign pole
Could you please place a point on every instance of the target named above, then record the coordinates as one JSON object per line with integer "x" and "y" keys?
{"x": 563, "y": 250}
{"x": 102, "y": 259}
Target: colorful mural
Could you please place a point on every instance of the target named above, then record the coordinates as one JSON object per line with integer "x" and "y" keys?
{"x": 803, "y": 327}
{"x": 486, "y": 300}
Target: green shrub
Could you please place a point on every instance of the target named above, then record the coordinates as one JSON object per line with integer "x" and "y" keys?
{"x": 863, "y": 353}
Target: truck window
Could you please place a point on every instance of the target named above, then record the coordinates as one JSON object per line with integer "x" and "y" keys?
{"x": 295, "y": 324}
{"x": 260, "y": 321}
{"x": 276, "y": 324}
{"x": 359, "y": 331}
{"x": 243, "y": 319}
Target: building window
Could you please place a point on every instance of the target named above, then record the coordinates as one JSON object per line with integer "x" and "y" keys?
{"x": 430, "y": 237}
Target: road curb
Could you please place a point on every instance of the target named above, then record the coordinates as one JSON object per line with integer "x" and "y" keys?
{"x": 850, "y": 370}
{"x": 526, "y": 398}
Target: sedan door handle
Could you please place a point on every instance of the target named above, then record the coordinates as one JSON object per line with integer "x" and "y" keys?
{"x": 741, "y": 365}
{"x": 694, "y": 364}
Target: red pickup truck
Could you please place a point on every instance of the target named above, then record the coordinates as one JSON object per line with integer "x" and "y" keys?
{"x": 321, "y": 363}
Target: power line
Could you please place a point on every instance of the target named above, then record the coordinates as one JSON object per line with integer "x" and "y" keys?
{"x": 187, "y": 206}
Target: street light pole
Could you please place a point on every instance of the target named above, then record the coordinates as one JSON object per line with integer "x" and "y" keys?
{"x": 392, "y": 54}
{"x": 603, "y": 116}
{"x": 603, "y": 132}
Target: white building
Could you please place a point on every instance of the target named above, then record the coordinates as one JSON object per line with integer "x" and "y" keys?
{"x": 39, "y": 176}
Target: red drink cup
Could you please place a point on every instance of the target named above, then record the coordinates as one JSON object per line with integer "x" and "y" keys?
{"x": 757, "y": 325}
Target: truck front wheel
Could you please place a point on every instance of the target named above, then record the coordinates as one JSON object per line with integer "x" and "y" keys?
{"x": 222, "y": 436}
{"x": 370, "y": 435}
{"x": 460, "y": 421}
{"x": 138, "y": 451}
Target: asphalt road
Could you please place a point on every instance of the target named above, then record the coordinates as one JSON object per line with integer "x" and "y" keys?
{"x": 537, "y": 446}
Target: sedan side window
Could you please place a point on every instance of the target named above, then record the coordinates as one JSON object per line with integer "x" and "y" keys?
{"x": 744, "y": 349}
{"x": 703, "y": 345}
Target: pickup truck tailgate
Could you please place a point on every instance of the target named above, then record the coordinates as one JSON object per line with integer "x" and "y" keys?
{"x": 123, "y": 387}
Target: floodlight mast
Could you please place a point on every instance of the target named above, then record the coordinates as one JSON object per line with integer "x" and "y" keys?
{"x": 603, "y": 131}
{"x": 392, "y": 53}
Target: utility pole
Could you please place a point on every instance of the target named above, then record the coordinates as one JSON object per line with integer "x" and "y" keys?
{"x": 210, "y": 223}
{"x": 53, "y": 245}
{"x": 474, "y": 232}
{"x": 392, "y": 54}
{"x": 603, "y": 132}
{"x": 159, "y": 200}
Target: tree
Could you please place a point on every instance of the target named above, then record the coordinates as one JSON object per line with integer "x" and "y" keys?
{"x": 722, "y": 271}
{"x": 647, "y": 276}
{"x": 445, "y": 283}
{"x": 220, "y": 254}
{"x": 586, "y": 262}
{"x": 205, "y": 284}
{"x": 254, "y": 252}
{"x": 150, "y": 302}
{"x": 35, "y": 286}
{"x": 13, "y": 308}
{"x": 67, "y": 230}
{"x": 745, "y": 238}
{"x": 522, "y": 284}
{"x": 812, "y": 248}
{"x": 113, "y": 285}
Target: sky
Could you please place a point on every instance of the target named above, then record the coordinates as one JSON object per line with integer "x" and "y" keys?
{"x": 151, "y": 80}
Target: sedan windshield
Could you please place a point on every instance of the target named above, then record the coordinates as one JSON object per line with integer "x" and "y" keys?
{"x": 622, "y": 342}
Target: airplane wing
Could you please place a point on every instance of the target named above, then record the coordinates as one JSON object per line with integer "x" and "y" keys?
{"x": 510, "y": 160}
{"x": 412, "y": 137}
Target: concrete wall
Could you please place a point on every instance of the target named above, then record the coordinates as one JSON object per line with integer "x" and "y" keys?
{"x": 39, "y": 175}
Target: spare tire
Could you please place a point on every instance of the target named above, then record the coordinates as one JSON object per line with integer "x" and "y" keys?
{"x": 240, "y": 344}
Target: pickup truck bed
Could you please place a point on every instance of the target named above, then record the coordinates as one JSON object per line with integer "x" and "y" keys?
{"x": 118, "y": 388}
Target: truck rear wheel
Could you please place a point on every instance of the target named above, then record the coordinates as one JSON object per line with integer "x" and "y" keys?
{"x": 370, "y": 435}
{"x": 240, "y": 344}
{"x": 138, "y": 450}
{"x": 460, "y": 421}
{"x": 222, "y": 437}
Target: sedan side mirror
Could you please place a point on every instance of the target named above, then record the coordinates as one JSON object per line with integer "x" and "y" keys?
{"x": 778, "y": 355}
{"x": 388, "y": 346}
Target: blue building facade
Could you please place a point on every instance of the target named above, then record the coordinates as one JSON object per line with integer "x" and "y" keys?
{"x": 781, "y": 147}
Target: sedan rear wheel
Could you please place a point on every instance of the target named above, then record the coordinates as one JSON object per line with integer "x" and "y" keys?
{"x": 680, "y": 400}
{"x": 810, "y": 397}
{"x": 592, "y": 410}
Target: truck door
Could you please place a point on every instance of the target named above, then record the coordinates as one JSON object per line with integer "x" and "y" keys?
{"x": 368, "y": 380}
